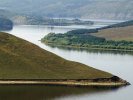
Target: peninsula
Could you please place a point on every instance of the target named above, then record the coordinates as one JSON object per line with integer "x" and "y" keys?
{"x": 22, "y": 62}
{"x": 114, "y": 37}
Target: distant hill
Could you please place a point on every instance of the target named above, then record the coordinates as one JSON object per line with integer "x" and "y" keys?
{"x": 94, "y": 9}
{"x": 5, "y": 24}
{"x": 20, "y": 59}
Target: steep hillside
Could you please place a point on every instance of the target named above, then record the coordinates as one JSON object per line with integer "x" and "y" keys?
{"x": 20, "y": 59}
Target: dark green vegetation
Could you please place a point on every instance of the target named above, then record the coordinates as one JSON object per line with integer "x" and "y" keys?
{"x": 114, "y": 37}
{"x": 95, "y": 9}
{"x": 20, "y": 59}
{"x": 5, "y": 24}
{"x": 82, "y": 31}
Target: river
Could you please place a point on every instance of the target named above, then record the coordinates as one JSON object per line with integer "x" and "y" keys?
{"x": 118, "y": 63}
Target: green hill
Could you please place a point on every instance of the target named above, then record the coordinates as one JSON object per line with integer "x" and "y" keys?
{"x": 20, "y": 59}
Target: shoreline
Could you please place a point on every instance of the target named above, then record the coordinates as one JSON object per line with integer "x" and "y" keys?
{"x": 89, "y": 48}
{"x": 99, "y": 82}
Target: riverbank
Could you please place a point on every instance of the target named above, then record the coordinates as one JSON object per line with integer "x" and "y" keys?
{"x": 87, "y": 48}
{"x": 111, "y": 84}
{"x": 101, "y": 82}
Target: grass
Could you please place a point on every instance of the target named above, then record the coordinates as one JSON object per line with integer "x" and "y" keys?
{"x": 20, "y": 59}
{"x": 117, "y": 34}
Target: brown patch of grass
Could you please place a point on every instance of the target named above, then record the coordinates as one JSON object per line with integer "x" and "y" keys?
{"x": 117, "y": 34}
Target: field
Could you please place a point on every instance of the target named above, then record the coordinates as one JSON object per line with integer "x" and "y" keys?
{"x": 117, "y": 34}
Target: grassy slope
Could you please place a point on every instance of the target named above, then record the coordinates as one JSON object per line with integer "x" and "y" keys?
{"x": 20, "y": 59}
{"x": 120, "y": 33}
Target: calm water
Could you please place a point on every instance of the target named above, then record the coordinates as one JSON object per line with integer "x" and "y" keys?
{"x": 118, "y": 63}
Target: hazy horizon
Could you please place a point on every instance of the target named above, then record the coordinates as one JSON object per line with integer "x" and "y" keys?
{"x": 96, "y": 9}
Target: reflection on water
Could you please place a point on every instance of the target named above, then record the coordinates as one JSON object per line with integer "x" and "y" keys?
{"x": 90, "y": 50}
{"x": 41, "y": 92}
